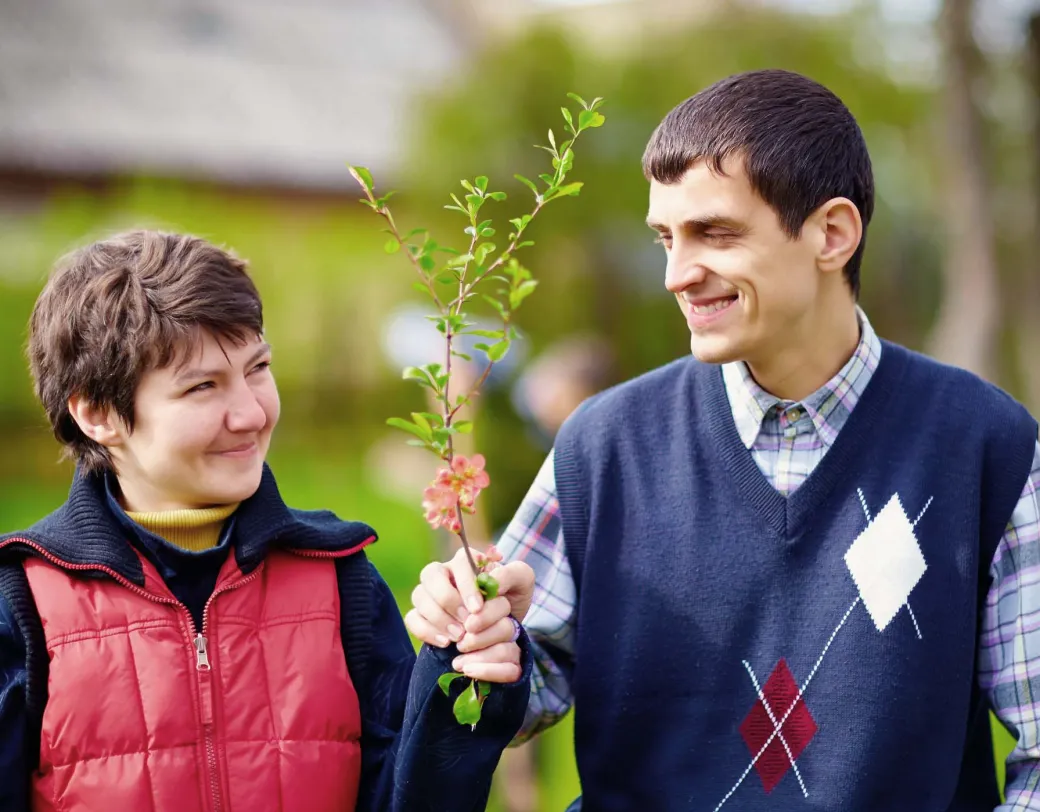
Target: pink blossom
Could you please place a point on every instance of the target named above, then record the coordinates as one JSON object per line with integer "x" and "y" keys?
{"x": 455, "y": 486}
{"x": 441, "y": 505}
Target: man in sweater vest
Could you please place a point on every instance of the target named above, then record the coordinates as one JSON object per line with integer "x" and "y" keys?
{"x": 175, "y": 638}
{"x": 796, "y": 569}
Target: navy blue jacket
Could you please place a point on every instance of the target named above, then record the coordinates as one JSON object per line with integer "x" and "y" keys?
{"x": 415, "y": 756}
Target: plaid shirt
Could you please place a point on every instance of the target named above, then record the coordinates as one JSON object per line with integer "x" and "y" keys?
{"x": 787, "y": 440}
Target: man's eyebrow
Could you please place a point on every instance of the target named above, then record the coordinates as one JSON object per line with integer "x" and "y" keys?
{"x": 702, "y": 223}
{"x": 197, "y": 372}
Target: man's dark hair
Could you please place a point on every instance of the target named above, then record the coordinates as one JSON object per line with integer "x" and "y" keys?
{"x": 799, "y": 144}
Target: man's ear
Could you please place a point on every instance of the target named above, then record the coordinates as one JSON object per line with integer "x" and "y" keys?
{"x": 100, "y": 424}
{"x": 841, "y": 230}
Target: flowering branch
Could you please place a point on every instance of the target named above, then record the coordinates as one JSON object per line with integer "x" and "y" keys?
{"x": 452, "y": 284}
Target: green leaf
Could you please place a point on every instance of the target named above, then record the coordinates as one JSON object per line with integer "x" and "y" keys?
{"x": 567, "y": 117}
{"x": 481, "y": 254}
{"x": 362, "y": 176}
{"x": 486, "y": 333}
{"x": 414, "y": 373}
{"x": 596, "y": 102}
{"x": 421, "y": 421}
{"x": 552, "y": 140}
{"x": 463, "y": 426}
{"x": 497, "y": 196}
{"x": 467, "y": 707}
{"x": 590, "y": 118}
{"x": 499, "y": 307}
{"x": 528, "y": 183}
{"x": 392, "y": 246}
{"x": 578, "y": 99}
{"x": 488, "y": 585}
{"x": 546, "y": 178}
{"x": 522, "y": 292}
{"x": 482, "y": 182}
{"x": 427, "y": 263}
{"x": 441, "y": 435}
{"x": 419, "y": 286}
{"x": 568, "y": 190}
{"x": 467, "y": 185}
{"x": 496, "y": 352}
{"x": 445, "y": 680}
{"x": 483, "y": 688}
{"x": 411, "y": 428}
{"x": 461, "y": 259}
{"x": 462, "y": 355}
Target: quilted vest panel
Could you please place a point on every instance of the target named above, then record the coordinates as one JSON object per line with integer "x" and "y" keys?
{"x": 144, "y": 713}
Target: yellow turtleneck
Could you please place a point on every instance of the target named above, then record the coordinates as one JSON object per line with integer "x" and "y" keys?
{"x": 194, "y": 530}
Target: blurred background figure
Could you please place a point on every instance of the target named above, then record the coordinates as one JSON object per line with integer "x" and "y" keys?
{"x": 235, "y": 120}
{"x": 556, "y": 382}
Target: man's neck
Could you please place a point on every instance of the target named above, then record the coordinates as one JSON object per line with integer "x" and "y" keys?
{"x": 811, "y": 355}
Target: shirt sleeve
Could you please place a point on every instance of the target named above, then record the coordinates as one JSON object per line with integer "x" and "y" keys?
{"x": 1009, "y": 647}
{"x": 535, "y": 535}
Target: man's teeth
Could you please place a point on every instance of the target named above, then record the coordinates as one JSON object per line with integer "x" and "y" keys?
{"x": 702, "y": 310}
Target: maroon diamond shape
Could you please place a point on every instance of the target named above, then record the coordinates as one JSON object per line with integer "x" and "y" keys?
{"x": 780, "y": 691}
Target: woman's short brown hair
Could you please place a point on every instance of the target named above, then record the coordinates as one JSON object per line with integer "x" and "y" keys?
{"x": 117, "y": 308}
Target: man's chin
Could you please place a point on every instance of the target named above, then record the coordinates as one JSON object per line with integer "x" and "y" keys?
{"x": 714, "y": 349}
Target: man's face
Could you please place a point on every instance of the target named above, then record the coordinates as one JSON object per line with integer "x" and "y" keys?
{"x": 741, "y": 282}
{"x": 202, "y": 428}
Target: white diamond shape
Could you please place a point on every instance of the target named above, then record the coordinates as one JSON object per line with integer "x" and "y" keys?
{"x": 886, "y": 563}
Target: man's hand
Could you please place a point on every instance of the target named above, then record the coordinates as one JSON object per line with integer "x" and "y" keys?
{"x": 448, "y": 608}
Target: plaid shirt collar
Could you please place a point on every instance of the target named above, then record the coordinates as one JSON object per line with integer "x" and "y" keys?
{"x": 828, "y": 407}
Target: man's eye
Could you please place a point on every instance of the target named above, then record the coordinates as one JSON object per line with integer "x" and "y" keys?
{"x": 262, "y": 366}
{"x": 202, "y": 387}
{"x": 664, "y": 239}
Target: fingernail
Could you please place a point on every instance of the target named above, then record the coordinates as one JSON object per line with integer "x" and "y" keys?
{"x": 443, "y": 641}
{"x": 473, "y": 602}
{"x": 455, "y": 631}
{"x": 457, "y": 663}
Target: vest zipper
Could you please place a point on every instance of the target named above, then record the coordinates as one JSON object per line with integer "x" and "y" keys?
{"x": 200, "y": 645}
{"x": 204, "y": 668}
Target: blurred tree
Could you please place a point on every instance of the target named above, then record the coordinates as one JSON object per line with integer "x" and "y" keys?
{"x": 966, "y": 332}
{"x": 1027, "y": 299}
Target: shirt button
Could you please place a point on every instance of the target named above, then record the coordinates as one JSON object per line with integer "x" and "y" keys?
{"x": 794, "y": 415}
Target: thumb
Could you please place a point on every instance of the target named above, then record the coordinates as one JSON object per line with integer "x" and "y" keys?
{"x": 516, "y": 584}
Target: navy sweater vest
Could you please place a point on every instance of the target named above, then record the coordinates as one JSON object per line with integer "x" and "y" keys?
{"x": 739, "y": 650}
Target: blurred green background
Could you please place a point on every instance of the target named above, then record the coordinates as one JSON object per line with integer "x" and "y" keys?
{"x": 330, "y": 290}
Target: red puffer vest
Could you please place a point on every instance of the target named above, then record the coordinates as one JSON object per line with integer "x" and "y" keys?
{"x": 256, "y": 712}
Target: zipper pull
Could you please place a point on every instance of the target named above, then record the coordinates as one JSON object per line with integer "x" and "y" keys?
{"x": 201, "y": 657}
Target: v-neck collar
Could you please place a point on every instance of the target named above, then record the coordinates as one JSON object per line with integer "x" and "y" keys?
{"x": 784, "y": 515}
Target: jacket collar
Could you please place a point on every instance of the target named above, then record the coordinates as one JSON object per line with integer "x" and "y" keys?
{"x": 84, "y": 534}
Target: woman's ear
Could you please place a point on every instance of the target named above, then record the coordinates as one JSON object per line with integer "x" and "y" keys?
{"x": 98, "y": 423}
